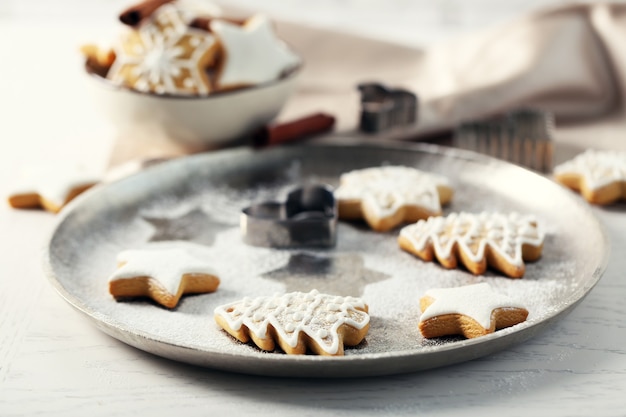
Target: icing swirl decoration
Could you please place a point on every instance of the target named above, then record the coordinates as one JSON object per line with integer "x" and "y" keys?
{"x": 165, "y": 56}
{"x": 297, "y": 321}
{"x": 502, "y": 241}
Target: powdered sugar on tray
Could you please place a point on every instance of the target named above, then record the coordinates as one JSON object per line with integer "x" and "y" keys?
{"x": 363, "y": 264}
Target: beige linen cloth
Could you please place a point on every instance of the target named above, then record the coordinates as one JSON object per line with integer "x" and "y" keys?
{"x": 569, "y": 60}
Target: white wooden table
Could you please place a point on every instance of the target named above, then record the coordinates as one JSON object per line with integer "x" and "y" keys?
{"x": 54, "y": 363}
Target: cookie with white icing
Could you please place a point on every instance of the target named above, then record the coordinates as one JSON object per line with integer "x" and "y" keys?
{"x": 252, "y": 54}
{"x": 471, "y": 311}
{"x": 388, "y": 196}
{"x": 600, "y": 176}
{"x": 502, "y": 241}
{"x": 297, "y": 321}
{"x": 165, "y": 56}
{"x": 162, "y": 274}
{"x": 51, "y": 187}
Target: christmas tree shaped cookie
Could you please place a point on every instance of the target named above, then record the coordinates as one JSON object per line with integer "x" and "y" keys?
{"x": 297, "y": 321}
{"x": 501, "y": 241}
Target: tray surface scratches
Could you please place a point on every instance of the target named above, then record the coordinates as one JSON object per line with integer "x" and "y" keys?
{"x": 196, "y": 201}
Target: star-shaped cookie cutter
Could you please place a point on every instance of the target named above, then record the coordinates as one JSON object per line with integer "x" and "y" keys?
{"x": 307, "y": 218}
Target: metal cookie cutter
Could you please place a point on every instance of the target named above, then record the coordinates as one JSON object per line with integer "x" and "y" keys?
{"x": 522, "y": 136}
{"x": 307, "y": 218}
{"x": 383, "y": 108}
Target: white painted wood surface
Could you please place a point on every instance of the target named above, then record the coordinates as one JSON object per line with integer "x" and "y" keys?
{"x": 54, "y": 363}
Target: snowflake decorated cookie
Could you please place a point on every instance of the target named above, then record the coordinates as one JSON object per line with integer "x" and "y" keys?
{"x": 471, "y": 311}
{"x": 388, "y": 196}
{"x": 600, "y": 176}
{"x": 162, "y": 274}
{"x": 51, "y": 187}
{"x": 252, "y": 53}
{"x": 501, "y": 241}
{"x": 297, "y": 321}
{"x": 177, "y": 48}
{"x": 165, "y": 56}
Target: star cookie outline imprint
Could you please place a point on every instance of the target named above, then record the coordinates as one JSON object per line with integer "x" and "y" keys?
{"x": 194, "y": 226}
{"x": 343, "y": 274}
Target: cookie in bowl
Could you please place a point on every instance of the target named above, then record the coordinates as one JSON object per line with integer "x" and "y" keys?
{"x": 165, "y": 56}
{"x": 176, "y": 74}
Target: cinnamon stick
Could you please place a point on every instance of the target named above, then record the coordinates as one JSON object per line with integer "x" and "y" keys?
{"x": 295, "y": 130}
{"x": 135, "y": 14}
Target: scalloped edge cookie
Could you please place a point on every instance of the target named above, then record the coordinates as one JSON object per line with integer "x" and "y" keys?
{"x": 297, "y": 322}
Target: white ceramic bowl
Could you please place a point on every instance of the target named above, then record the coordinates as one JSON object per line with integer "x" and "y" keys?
{"x": 195, "y": 123}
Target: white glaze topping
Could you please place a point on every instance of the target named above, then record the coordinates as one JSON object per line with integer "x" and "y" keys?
{"x": 506, "y": 234}
{"x": 55, "y": 183}
{"x": 254, "y": 54}
{"x": 160, "y": 59}
{"x": 598, "y": 168}
{"x": 317, "y": 315}
{"x": 165, "y": 265}
{"x": 384, "y": 190}
{"x": 477, "y": 301}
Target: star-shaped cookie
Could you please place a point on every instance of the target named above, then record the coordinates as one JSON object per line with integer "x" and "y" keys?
{"x": 297, "y": 321}
{"x": 472, "y": 311}
{"x": 252, "y": 53}
{"x": 163, "y": 274}
{"x": 390, "y": 195}
{"x": 600, "y": 176}
{"x": 165, "y": 56}
{"x": 51, "y": 187}
{"x": 502, "y": 241}
{"x": 343, "y": 274}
